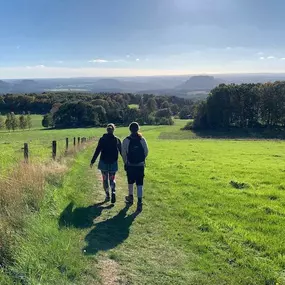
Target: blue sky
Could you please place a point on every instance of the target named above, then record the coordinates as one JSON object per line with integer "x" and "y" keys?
{"x": 68, "y": 38}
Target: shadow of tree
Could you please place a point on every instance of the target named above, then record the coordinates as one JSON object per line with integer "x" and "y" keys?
{"x": 110, "y": 233}
{"x": 82, "y": 217}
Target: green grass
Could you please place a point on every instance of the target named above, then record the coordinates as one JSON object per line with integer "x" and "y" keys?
{"x": 39, "y": 140}
{"x": 133, "y": 106}
{"x": 214, "y": 213}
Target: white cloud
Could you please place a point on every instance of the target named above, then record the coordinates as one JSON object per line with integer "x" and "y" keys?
{"x": 128, "y": 56}
{"x": 260, "y": 53}
{"x": 35, "y": 66}
{"x": 283, "y": 58}
{"x": 262, "y": 58}
{"x": 271, "y": 57}
{"x": 137, "y": 59}
{"x": 98, "y": 60}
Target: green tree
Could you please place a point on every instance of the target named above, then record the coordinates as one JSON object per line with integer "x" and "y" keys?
{"x": 22, "y": 122}
{"x": 101, "y": 114}
{"x": 8, "y": 122}
{"x": 100, "y": 102}
{"x": 14, "y": 121}
{"x": 200, "y": 119}
{"x": 47, "y": 121}
{"x": 165, "y": 105}
{"x": 2, "y": 123}
{"x": 141, "y": 102}
{"x": 151, "y": 105}
{"x": 166, "y": 113}
{"x": 79, "y": 114}
{"x": 174, "y": 109}
{"x": 185, "y": 113}
{"x": 29, "y": 121}
{"x": 131, "y": 115}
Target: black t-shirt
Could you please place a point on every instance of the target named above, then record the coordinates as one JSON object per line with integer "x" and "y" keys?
{"x": 109, "y": 146}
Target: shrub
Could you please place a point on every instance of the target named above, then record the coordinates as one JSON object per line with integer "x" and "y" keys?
{"x": 164, "y": 121}
{"x": 163, "y": 113}
{"x": 188, "y": 126}
{"x": 47, "y": 121}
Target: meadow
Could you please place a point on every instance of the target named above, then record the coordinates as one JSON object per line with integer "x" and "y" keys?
{"x": 214, "y": 213}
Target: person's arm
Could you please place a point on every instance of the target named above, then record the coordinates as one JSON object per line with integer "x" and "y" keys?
{"x": 97, "y": 152}
{"x": 125, "y": 147}
{"x": 145, "y": 147}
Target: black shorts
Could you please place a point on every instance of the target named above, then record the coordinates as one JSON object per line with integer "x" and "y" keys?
{"x": 135, "y": 174}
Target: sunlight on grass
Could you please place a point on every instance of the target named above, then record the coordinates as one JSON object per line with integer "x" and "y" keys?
{"x": 213, "y": 214}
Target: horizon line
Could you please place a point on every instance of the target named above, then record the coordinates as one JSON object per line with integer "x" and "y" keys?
{"x": 158, "y": 75}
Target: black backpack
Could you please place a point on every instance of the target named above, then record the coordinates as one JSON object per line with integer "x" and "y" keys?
{"x": 136, "y": 153}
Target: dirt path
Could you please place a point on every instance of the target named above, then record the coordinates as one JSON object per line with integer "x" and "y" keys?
{"x": 109, "y": 270}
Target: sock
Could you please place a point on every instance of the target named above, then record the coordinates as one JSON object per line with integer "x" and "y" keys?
{"x": 131, "y": 189}
{"x": 140, "y": 191}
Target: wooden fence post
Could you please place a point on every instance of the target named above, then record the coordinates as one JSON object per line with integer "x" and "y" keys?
{"x": 53, "y": 150}
{"x": 66, "y": 144}
{"x": 74, "y": 141}
{"x": 26, "y": 152}
{"x": 78, "y": 141}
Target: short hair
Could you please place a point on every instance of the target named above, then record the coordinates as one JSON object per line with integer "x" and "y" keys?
{"x": 134, "y": 127}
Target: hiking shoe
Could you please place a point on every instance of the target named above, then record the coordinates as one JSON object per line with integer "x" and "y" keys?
{"x": 139, "y": 207}
{"x": 129, "y": 199}
{"x": 113, "y": 200}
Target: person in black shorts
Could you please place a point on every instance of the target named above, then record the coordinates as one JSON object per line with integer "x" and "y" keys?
{"x": 134, "y": 153}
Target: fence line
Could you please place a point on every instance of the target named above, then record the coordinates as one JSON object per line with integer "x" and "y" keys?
{"x": 81, "y": 141}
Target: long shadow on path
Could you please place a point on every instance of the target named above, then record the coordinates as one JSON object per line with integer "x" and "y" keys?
{"x": 110, "y": 233}
{"x": 82, "y": 217}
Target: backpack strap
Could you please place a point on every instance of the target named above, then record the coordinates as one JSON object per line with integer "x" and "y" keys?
{"x": 131, "y": 138}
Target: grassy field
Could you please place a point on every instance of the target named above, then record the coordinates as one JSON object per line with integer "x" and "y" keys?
{"x": 39, "y": 140}
{"x": 214, "y": 213}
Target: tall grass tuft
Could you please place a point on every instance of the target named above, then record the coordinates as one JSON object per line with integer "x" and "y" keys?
{"x": 21, "y": 193}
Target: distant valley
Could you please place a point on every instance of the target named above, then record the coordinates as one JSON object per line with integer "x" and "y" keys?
{"x": 195, "y": 87}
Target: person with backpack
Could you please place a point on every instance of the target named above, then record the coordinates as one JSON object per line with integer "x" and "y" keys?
{"x": 109, "y": 146}
{"x": 134, "y": 153}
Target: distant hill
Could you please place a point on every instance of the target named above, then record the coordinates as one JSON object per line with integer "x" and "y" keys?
{"x": 108, "y": 84}
{"x": 183, "y": 86}
{"x": 4, "y": 86}
{"x": 199, "y": 83}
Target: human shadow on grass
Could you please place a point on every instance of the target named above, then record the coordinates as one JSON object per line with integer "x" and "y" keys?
{"x": 81, "y": 217}
{"x": 110, "y": 233}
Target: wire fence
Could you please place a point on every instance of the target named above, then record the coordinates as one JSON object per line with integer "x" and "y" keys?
{"x": 57, "y": 148}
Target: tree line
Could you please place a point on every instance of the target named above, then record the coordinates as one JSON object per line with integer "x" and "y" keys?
{"x": 68, "y": 109}
{"x": 13, "y": 122}
{"x": 242, "y": 106}
{"x": 100, "y": 111}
